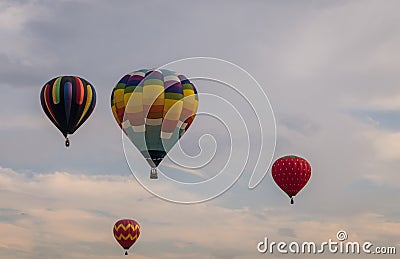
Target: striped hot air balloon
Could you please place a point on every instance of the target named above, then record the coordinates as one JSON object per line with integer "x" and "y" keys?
{"x": 126, "y": 232}
{"x": 68, "y": 101}
{"x": 154, "y": 108}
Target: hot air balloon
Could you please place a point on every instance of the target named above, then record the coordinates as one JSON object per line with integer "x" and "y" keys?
{"x": 291, "y": 174}
{"x": 126, "y": 232}
{"x": 154, "y": 107}
{"x": 68, "y": 101}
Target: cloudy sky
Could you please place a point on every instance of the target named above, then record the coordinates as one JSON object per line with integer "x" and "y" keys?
{"x": 329, "y": 69}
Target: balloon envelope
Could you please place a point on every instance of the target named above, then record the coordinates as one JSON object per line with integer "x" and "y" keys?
{"x": 291, "y": 174}
{"x": 154, "y": 108}
{"x": 126, "y": 232}
{"x": 68, "y": 102}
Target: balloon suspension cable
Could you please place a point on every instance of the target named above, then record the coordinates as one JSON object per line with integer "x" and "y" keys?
{"x": 126, "y": 252}
{"x": 66, "y": 142}
{"x": 291, "y": 200}
{"x": 153, "y": 173}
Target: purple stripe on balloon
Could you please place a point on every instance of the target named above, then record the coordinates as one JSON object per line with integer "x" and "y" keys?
{"x": 173, "y": 87}
{"x": 67, "y": 99}
{"x": 134, "y": 80}
{"x": 124, "y": 80}
{"x": 134, "y": 83}
{"x": 183, "y": 79}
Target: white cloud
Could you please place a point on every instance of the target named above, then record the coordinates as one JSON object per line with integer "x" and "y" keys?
{"x": 387, "y": 145}
{"x": 13, "y": 15}
{"x": 56, "y": 210}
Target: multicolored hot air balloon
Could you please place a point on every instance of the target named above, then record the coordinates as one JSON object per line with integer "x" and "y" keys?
{"x": 154, "y": 107}
{"x": 126, "y": 232}
{"x": 68, "y": 101}
{"x": 291, "y": 174}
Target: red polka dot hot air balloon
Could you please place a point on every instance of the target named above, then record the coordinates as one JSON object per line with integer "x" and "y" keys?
{"x": 291, "y": 174}
{"x": 126, "y": 232}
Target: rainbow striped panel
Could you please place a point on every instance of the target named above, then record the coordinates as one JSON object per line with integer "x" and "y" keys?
{"x": 68, "y": 101}
{"x": 154, "y": 107}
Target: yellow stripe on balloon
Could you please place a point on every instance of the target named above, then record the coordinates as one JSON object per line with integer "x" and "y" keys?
{"x": 196, "y": 106}
{"x": 56, "y": 91}
{"x": 88, "y": 102}
{"x": 119, "y": 98}
{"x": 172, "y": 109}
{"x": 129, "y": 236}
{"x": 125, "y": 228}
{"x": 153, "y": 95}
{"x": 135, "y": 103}
{"x": 48, "y": 104}
{"x": 126, "y": 98}
{"x": 188, "y": 92}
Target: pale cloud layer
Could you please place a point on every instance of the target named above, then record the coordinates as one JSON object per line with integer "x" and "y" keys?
{"x": 71, "y": 216}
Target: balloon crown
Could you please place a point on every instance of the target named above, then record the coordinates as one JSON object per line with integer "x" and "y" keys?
{"x": 290, "y": 156}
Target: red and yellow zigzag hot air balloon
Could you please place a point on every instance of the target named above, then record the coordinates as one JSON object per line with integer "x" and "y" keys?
{"x": 126, "y": 232}
{"x": 291, "y": 174}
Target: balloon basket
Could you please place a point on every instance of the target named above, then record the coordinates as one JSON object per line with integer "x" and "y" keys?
{"x": 153, "y": 173}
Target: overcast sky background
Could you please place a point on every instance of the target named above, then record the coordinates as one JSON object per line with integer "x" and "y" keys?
{"x": 329, "y": 68}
